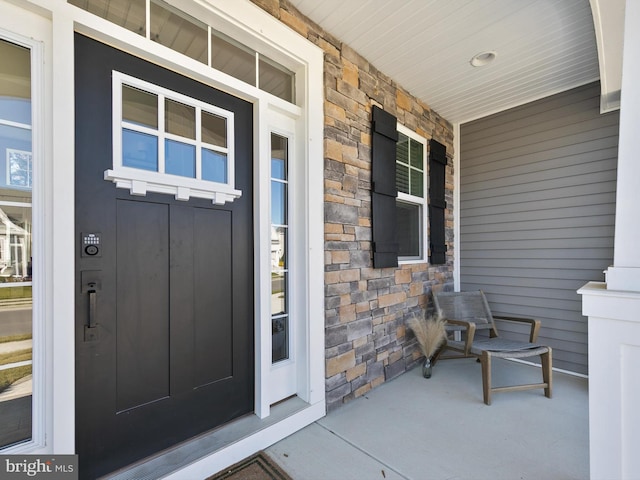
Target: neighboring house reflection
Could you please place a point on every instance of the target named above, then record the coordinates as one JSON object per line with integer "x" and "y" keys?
{"x": 15, "y": 243}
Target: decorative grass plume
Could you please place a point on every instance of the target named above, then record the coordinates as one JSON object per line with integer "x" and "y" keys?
{"x": 429, "y": 332}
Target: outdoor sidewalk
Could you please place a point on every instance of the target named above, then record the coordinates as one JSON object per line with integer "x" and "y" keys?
{"x": 439, "y": 428}
{"x": 15, "y": 401}
{"x": 24, "y": 386}
{"x": 7, "y": 347}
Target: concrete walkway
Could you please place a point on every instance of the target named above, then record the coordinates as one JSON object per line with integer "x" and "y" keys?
{"x": 439, "y": 428}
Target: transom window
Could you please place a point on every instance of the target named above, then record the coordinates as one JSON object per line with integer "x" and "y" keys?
{"x": 169, "y": 143}
{"x": 410, "y": 204}
{"x": 196, "y": 40}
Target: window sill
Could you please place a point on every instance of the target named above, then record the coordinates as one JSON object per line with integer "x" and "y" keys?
{"x": 411, "y": 261}
{"x": 139, "y": 182}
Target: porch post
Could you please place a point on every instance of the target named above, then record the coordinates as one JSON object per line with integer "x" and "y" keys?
{"x": 625, "y": 272}
{"x": 613, "y": 307}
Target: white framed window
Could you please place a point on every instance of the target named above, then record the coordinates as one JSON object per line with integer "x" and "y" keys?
{"x": 411, "y": 205}
{"x": 166, "y": 142}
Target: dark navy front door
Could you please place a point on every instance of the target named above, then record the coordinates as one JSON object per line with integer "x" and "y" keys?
{"x": 171, "y": 291}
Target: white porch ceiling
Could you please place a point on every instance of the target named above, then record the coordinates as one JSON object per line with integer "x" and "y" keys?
{"x": 543, "y": 47}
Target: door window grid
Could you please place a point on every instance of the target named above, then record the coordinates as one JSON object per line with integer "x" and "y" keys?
{"x": 280, "y": 325}
{"x": 160, "y": 22}
{"x": 169, "y": 143}
{"x": 410, "y": 204}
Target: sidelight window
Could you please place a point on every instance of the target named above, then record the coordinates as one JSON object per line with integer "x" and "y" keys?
{"x": 16, "y": 230}
{"x": 167, "y": 142}
{"x": 280, "y": 327}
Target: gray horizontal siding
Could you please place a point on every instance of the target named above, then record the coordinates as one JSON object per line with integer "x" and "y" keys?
{"x": 537, "y": 208}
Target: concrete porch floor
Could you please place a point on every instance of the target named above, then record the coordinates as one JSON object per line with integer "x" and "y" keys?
{"x": 439, "y": 428}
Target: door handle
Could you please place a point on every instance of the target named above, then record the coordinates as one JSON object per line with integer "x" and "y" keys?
{"x": 91, "y": 330}
{"x": 92, "y": 305}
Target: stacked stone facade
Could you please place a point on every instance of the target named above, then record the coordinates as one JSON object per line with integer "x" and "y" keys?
{"x": 367, "y": 341}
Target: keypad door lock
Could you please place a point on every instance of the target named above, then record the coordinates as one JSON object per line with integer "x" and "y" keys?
{"x": 91, "y": 245}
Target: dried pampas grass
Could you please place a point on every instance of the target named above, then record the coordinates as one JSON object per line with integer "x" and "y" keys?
{"x": 429, "y": 332}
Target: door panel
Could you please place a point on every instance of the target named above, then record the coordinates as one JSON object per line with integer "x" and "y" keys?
{"x": 173, "y": 287}
{"x": 142, "y": 293}
{"x": 214, "y": 329}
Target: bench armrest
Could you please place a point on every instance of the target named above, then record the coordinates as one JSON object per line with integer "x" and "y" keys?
{"x": 470, "y": 329}
{"x": 535, "y": 325}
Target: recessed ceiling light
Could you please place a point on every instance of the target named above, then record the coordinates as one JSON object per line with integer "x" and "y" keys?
{"x": 483, "y": 58}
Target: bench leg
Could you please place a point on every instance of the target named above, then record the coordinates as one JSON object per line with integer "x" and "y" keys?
{"x": 547, "y": 372}
{"x": 486, "y": 376}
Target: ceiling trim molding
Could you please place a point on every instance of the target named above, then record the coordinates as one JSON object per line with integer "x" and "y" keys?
{"x": 532, "y": 99}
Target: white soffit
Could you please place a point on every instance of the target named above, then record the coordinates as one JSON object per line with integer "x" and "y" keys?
{"x": 542, "y": 47}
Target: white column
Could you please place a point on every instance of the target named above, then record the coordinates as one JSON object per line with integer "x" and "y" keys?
{"x": 614, "y": 391}
{"x": 613, "y": 307}
{"x": 625, "y": 272}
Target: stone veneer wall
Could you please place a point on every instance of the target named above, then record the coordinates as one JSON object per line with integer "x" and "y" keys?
{"x": 366, "y": 338}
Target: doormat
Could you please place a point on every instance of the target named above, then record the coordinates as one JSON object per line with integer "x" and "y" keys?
{"x": 256, "y": 467}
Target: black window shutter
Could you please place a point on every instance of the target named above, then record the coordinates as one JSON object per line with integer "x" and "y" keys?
{"x": 384, "y": 136}
{"x": 437, "y": 203}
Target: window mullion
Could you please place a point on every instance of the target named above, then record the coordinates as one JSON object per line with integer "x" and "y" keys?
{"x": 139, "y": 128}
{"x": 147, "y": 19}
{"x": 161, "y": 132}
{"x": 209, "y": 46}
{"x": 257, "y": 84}
{"x": 198, "y": 143}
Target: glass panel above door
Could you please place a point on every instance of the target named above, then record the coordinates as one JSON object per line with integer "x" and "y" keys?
{"x": 183, "y": 33}
{"x": 275, "y": 79}
{"x": 233, "y": 59}
{"x": 179, "y": 31}
{"x": 16, "y": 173}
{"x": 129, "y": 14}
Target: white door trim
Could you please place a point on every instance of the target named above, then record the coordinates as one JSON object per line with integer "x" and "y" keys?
{"x": 251, "y": 25}
{"x": 34, "y": 32}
